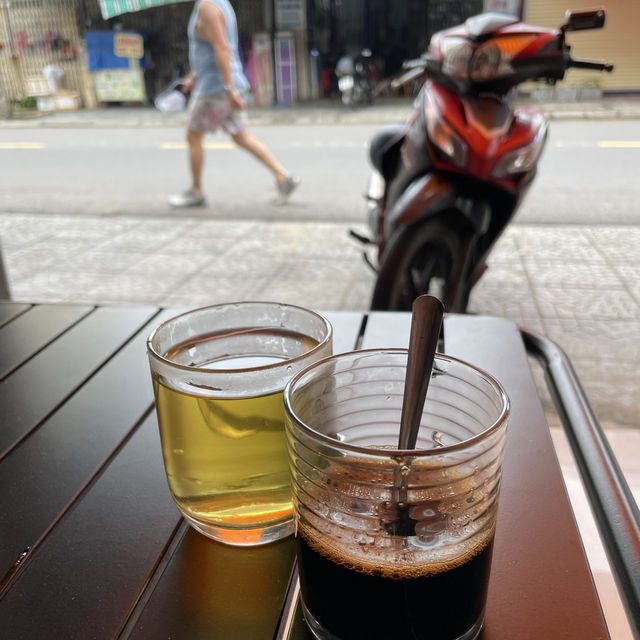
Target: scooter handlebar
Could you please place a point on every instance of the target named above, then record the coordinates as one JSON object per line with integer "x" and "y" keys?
{"x": 595, "y": 65}
{"x": 413, "y": 63}
{"x": 407, "y": 77}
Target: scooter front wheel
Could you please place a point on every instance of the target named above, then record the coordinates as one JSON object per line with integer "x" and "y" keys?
{"x": 347, "y": 98}
{"x": 426, "y": 259}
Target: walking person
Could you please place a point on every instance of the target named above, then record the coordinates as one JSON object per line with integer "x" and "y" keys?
{"x": 219, "y": 87}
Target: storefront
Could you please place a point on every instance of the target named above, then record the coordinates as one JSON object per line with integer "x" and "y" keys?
{"x": 41, "y": 53}
{"x": 290, "y": 47}
{"x": 303, "y": 39}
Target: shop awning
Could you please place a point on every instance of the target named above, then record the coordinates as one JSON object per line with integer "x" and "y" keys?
{"x": 113, "y": 8}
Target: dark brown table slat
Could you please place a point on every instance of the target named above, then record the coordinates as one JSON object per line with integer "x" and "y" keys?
{"x": 9, "y": 310}
{"x": 210, "y": 591}
{"x": 29, "y": 332}
{"x": 68, "y": 449}
{"x": 537, "y": 534}
{"x": 346, "y": 329}
{"x": 217, "y": 602}
{"x": 540, "y": 583}
{"x": 37, "y": 388}
{"x": 87, "y": 574}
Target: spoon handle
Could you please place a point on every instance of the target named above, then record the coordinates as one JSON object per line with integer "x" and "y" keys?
{"x": 426, "y": 320}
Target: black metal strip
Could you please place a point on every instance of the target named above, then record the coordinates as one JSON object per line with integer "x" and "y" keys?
{"x": 363, "y": 327}
{"x": 287, "y": 616}
{"x": 612, "y": 502}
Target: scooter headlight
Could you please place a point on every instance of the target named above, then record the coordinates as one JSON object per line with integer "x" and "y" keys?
{"x": 485, "y": 62}
{"x": 523, "y": 158}
{"x": 481, "y": 62}
{"x": 492, "y": 59}
{"x": 443, "y": 135}
{"x": 456, "y": 54}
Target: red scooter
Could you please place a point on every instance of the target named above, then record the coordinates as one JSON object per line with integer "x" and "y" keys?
{"x": 446, "y": 184}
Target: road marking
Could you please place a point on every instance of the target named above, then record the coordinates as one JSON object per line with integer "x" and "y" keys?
{"x": 206, "y": 145}
{"x": 619, "y": 144}
{"x": 22, "y": 145}
{"x": 572, "y": 145}
{"x": 602, "y": 144}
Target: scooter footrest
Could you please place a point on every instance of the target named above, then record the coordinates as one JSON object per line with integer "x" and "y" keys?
{"x": 359, "y": 237}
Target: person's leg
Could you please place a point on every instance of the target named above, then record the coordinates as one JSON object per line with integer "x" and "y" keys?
{"x": 259, "y": 150}
{"x": 198, "y": 122}
{"x": 196, "y": 161}
{"x": 236, "y": 126}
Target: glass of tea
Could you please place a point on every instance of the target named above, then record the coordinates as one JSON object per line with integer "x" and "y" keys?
{"x": 394, "y": 543}
{"x": 218, "y": 377}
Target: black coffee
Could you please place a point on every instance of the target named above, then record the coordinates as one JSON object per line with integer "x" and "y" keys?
{"x": 375, "y": 603}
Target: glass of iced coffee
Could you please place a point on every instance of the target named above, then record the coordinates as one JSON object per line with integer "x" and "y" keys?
{"x": 394, "y": 543}
{"x": 218, "y": 377}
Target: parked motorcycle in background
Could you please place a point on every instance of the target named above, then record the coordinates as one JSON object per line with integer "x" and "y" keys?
{"x": 446, "y": 184}
{"x": 355, "y": 75}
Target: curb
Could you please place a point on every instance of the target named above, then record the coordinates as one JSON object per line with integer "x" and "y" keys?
{"x": 329, "y": 113}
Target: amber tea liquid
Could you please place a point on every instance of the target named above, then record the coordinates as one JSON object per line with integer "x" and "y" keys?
{"x": 226, "y": 458}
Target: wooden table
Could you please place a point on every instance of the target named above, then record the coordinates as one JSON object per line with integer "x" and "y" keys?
{"x": 92, "y": 545}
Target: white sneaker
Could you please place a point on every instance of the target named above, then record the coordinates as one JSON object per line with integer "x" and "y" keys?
{"x": 288, "y": 185}
{"x": 186, "y": 199}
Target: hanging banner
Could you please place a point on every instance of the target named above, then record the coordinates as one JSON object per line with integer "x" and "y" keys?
{"x": 113, "y": 8}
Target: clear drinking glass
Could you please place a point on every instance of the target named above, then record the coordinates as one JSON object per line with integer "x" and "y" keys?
{"x": 394, "y": 544}
{"x": 218, "y": 376}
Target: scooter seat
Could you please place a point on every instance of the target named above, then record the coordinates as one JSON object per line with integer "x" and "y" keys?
{"x": 384, "y": 147}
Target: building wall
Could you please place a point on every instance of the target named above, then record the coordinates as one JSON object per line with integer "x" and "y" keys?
{"x": 617, "y": 42}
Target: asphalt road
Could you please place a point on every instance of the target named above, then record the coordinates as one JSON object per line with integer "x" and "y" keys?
{"x": 587, "y": 174}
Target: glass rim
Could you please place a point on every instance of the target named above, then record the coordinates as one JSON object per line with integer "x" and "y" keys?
{"x": 265, "y": 367}
{"x": 390, "y": 453}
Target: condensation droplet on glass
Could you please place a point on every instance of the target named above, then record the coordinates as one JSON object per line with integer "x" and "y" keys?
{"x": 178, "y": 452}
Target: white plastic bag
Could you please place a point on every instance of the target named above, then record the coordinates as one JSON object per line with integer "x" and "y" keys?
{"x": 171, "y": 99}
{"x": 53, "y": 74}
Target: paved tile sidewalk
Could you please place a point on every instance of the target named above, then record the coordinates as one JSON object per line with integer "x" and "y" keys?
{"x": 576, "y": 284}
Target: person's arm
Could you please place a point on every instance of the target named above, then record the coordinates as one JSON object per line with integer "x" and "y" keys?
{"x": 189, "y": 81}
{"x": 210, "y": 26}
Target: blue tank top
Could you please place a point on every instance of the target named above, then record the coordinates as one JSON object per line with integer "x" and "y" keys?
{"x": 202, "y": 57}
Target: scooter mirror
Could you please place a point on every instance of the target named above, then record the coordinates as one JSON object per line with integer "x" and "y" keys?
{"x": 579, "y": 19}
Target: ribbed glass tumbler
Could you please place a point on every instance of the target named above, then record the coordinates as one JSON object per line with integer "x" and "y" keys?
{"x": 392, "y": 543}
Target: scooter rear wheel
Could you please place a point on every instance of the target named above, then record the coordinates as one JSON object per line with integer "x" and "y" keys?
{"x": 423, "y": 260}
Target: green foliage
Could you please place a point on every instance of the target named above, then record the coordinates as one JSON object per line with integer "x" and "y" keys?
{"x": 28, "y": 102}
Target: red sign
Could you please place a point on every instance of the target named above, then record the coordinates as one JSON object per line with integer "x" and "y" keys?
{"x": 128, "y": 45}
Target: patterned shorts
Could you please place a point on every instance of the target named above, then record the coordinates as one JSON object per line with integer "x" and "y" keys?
{"x": 207, "y": 113}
